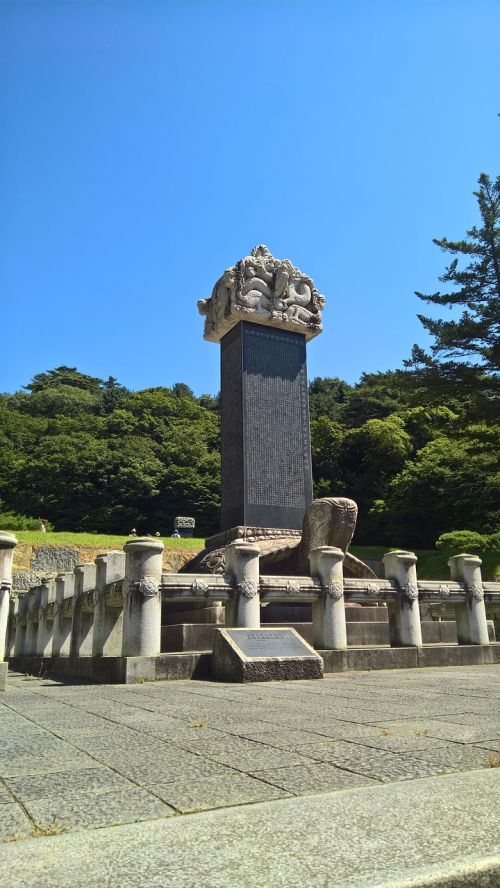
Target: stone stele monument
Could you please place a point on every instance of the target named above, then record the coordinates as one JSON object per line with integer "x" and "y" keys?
{"x": 262, "y": 311}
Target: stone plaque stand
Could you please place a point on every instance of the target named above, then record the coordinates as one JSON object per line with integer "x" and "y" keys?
{"x": 244, "y": 655}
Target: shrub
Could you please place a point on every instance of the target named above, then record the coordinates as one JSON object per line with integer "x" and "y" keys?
{"x": 494, "y": 542}
{"x": 12, "y": 521}
{"x": 458, "y": 541}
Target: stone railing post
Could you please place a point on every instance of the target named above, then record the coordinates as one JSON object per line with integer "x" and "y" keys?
{"x": 20, "y": 605}
{"x": 142, "y": 598}
{"x": 46, "y": 625}
{"x": 242, "y": 562}
{"x": 330, "y": 632}
{"x": 108, "y": 620}
{"x": 8, "y": 543}
{"x": 65, "y": 586}
{"x": 404, "y": 616}
{"x": 472, "y": 627}
{"x": 11, "y": 630}
{"x": 30, "y": 640}
{"x": 83, "y": 620}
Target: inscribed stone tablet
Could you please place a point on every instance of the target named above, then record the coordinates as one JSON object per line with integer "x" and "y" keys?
{"x": 269, "y": 643}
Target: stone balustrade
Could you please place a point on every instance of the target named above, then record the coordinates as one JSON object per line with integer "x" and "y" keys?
{"x": 7, "y": 546}
{"x": 112, "y": 608}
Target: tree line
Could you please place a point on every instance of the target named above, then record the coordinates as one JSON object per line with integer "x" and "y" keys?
{"x": 417, "y": 447}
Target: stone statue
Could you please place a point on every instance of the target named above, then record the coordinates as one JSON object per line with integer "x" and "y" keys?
{"x": 265, "y": 290}
{"x": 328, "y": 522}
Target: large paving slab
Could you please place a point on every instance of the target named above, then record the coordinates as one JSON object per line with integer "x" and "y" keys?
{"x": 444, "y": 833}
{"x": 198, "y": 774}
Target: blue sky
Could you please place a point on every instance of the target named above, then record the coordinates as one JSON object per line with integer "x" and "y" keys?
{"x": 146, "y": 146}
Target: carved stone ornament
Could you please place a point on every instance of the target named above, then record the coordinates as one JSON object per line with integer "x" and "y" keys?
{"x": 248, "y": 588}
{"x": 372, "y": 590}
{"x": 184, "y": 523}
{"x": 148, "y": 587}
{"x": 476, "y": 591}
{"x": 292, "y": 587}
{"x": 410, "y": 591}
{"x": 335, "y": 590}
{"x": 199, "y": 587}
{"x": 265, "y": 290}
{"x": 444, "y": 590}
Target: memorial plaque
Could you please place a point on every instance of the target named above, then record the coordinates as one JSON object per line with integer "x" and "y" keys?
{"x": 269, "y": 642}
{"x": 266, "y": 448}
{"x": 263, "y": 655}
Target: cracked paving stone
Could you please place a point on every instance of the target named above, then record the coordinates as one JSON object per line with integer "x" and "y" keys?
{"x": 219, "y": 792}
{"x": 285, "y": 739}
{"x": 376, "y": 763}
{"x": 95, "y": 809}
{"x": 455, "y": 757}
{"x": 445, "y": 730}
{"x": 267, "y": 757}
{"x": 5, "y": 795}
{"x": 59, "y": 783}
{"x": 13, "y": 822}
{"x": 312, "y": 777}
{"x": 400, "y": 744}
{"x": 173, "y": 772}
{"x": 22, "y": 766}
{"x": 492, "y": 745}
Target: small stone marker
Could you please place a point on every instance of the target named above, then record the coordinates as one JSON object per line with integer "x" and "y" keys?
{"x": 263, "y": 655}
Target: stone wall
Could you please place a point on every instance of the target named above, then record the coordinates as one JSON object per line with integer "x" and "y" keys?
{"x": 33, "y": 562}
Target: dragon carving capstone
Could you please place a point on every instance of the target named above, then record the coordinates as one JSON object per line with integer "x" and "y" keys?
{"x": 265, "y": 290}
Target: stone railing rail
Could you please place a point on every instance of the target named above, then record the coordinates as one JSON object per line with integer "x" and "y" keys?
{"x": 112, "y": 608}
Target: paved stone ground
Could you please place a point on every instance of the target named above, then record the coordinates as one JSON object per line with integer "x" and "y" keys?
{"x": 76, "y": 757}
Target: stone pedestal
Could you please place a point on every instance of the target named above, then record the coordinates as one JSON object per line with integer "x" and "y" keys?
{"x": 142, "y": 598}
{"x": 329, "y": 612}
{"x": 108, "y": 608}
{"x": 263, "y": 655}
{"x": 404, "y": 616}
{"x": 472, "y": 627}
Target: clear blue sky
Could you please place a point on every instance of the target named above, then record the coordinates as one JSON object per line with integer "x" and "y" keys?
{"x": 147, "y": 145}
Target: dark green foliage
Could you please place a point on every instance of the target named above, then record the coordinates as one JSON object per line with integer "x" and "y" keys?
{"x": 67, "y": 376}
{"x": 328, "y": 397}
{"x": 12, "y": 521}
{"x": 473, "y": 338}
{"x": 415, "y": 470}
{"x": 90, "y": 455}
{"x": 463, "y": 541}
